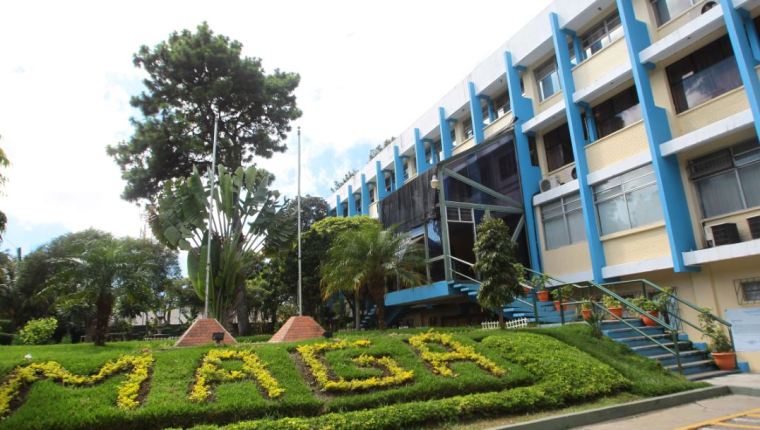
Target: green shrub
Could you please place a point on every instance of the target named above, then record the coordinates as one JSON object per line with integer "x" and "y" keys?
{"x": 6, "y": 338}
{"x": 253, "y": 339}
{"x": 6, "y": 326}
{"x": 38, "y": 332}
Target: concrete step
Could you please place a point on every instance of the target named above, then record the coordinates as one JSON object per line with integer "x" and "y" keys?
{"x": 617, "y": 333}
{"x": 710, "y": 374}
{"x": 654, "y": 349}
{"x": 686, "y": 357}
{"x": 613, "y": 324}
{"x": 694, "y": 367}
{"x": 643, "y": 340}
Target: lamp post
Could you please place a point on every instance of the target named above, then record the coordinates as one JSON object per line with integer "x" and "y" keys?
{"x": 211, "y": 178}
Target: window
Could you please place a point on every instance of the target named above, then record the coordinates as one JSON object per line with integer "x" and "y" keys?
{"x": 452, "y": 130}
{"x": 563, "y": 221}
{"x": 467, "y": 128}
{"x": 749, "y": 291}
{"x": 558, "y": 148}
{"x": 388, "y": 182}
{"x": 407, "y": 167}
{"x": 602, "y": 35}
{"x": 728, "y": 180}
{"x": 532, "y": 150}
{"x": 618, "y": 112}
{"x": 665, "y": 10}
{"x": 548, "y": 80}
{"x": 703, "y": 75}
{"x": 628, "y": 201}
{"x": 501, "y": 104}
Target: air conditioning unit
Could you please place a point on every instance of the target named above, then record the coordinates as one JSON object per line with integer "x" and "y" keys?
{"x": 566, "y": 175}
{"x": 754, "y": 227}
{"x": 725, "y": 234}
{"x": 549, "y": 183}
{"x": 708, "y": 237}
{"x": 709, "y": 5}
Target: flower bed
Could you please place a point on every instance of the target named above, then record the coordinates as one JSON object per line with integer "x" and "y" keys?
{"x": 211, "y": 372}
{"x": 439, "y": 360}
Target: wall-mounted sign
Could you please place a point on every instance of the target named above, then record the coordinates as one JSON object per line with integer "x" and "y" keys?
{"x": 745, "y": 325}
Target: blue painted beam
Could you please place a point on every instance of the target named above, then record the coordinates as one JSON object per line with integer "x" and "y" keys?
{"x": 380, "y": 175}
{"x": 666, "y": 169}
{"x": 399, "y": 167}
{"x": 446, "y": 143}
{"x": 351, "y": 201}
{"x": 419, "y": 152}
{"x": 476, "y": 114}
{"x": 737, "y": 23}
{"x": 365, "y": 196}
{"x": 436, "y": 290}
{"x": 573, "y": 113}
{"x": 338, "y": 207}
{"x": 530, "y": 175}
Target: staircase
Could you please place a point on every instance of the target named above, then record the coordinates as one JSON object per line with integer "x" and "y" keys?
{"x": 521, "y": 307}
{"x": 695, "y": 363}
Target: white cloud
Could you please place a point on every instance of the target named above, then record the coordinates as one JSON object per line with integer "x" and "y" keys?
{"x": 368, "y": 70}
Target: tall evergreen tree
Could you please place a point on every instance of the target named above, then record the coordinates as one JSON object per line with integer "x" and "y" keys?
{"x": 192, "y": 76}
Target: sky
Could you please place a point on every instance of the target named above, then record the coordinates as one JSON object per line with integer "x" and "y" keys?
{"x": 368, "y": 70}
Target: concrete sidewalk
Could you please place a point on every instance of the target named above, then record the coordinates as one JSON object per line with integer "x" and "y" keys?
{"x": 672, "y": 418}
{"x": 695, "y": 412}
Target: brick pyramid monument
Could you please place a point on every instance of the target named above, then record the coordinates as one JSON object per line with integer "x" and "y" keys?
{"x": 201, "y": 332}
{"x": 298, "y": 328}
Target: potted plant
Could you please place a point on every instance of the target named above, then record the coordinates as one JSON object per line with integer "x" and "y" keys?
{"x": 538, "y": 282}
{"x": 650, "y": 306}
{"x": 720, "y": 347}
{"x": 586, "y": 309}
{"x": 565, "y": 291}
{"x": 613, "y": 306}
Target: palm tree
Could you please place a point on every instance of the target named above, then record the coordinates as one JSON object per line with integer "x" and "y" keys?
{"x": 97, "y": 272}
{"x": 367, "y": 258}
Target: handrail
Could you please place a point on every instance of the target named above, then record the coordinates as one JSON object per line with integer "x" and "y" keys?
{"x": 461, "y": 261}
{"x": 674, "y": 337}
{"x": 677, "y": 298}
{"x": 468, "y": 277}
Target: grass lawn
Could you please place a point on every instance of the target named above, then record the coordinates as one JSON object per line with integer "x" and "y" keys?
{"x": 539, "y": 370}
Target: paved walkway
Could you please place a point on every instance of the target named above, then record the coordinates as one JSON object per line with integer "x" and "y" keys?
{"x": 703, "y": 410}
{"x": 680, "y": 416}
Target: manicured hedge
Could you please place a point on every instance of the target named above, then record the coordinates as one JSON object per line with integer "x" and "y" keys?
{"x": 541, "y": 373}
{"x": 566, "y": 375}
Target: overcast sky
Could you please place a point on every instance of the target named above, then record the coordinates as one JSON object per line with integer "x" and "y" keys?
{"x": 368, "y": 70}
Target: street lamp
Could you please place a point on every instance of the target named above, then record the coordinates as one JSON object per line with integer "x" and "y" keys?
{"x": 435, "y": 183}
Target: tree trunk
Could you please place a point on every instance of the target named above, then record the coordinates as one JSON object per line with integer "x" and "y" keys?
{"x": 103, "y": 307}
{"x": 378, "y": 296}
{"x": 242, "y": 313}
{"x": 501, "y": 318}
{"x": 356, "y": 310}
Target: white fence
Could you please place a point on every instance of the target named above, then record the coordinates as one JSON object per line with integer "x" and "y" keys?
{"x": 518, "y": 323}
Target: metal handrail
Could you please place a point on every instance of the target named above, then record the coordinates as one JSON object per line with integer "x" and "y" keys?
{"x": 468, "y": 277}
{"x": 674, "y": 337}
{"x": 699, "y": 310}
{"x": 677, "y": 298}
{"x": 461, "y": 261}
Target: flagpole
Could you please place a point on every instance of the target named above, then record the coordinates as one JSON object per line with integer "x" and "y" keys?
{"x": 300, "y": 304}
{"x": 211, "y": 178}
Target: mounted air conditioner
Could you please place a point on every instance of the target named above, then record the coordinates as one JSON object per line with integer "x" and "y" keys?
{"x": 708, "y": 236}
{"x": 549, "y": 183}
{"x": 565, "y": 176}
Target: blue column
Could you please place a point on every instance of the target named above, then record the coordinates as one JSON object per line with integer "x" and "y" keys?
{"x": 666, "y": 169}
{"x": 338, "y": 207}
{"x": 446, "y": 144}
{"x": 365, "y": 196}
{"x": 530, "y": 175}
{"x": 476, "y": 114}
{"x": 575, "y": 126}
{"x": 381, "y": 191}
{"x": 351, "y": 202}
{"x": 419, "y": 152}
{"x": 590, "y": 123}
{"x": 399, "y": 168}
{"x": 738, "y": 22}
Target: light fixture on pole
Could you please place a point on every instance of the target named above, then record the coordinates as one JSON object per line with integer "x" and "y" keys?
{"x": 435, "y": 183}
{"x": 298, "y": 208}
{"x": 211, "y": 178}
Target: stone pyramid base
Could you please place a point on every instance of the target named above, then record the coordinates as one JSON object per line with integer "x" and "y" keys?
{"x": 298, "y": 328}
{"x": 200, "y": 333}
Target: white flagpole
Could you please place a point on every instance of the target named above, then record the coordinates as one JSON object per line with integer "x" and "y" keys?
{"x": 211, "y": 178}
{"x": 300, "y": 305}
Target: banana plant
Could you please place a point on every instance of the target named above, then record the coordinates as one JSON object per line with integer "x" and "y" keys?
{"x": 247, "y": 216}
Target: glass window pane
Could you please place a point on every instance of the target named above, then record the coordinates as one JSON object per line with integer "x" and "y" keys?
{"x": 750, "y": 177}
{"x": 613, "y": 215}
{"x": 644, "y": 206}
{"x": 576, "y": 227}
{"x": 555, "y": 233}
{"x": 719, "y": 194}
